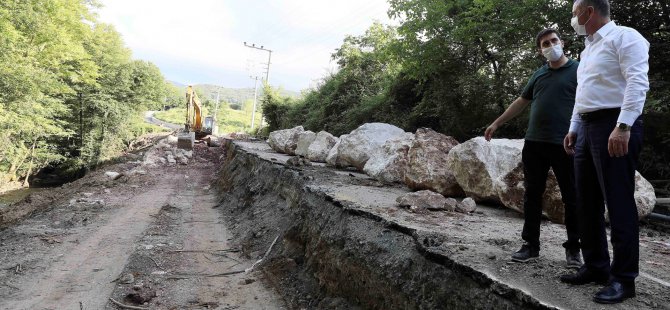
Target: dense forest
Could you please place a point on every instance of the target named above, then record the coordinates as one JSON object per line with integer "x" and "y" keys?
{"x": 454, "y": 65}
{"x": 70, "y": 93}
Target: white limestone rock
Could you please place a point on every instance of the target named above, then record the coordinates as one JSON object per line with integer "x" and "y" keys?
{"x": 286, "y": 140}
{"x": 427, "y": 168}
{"x": 113, "y": 175}
{"x": 645, "y": 196}
{"x": 355, "y": 149}
{"x": 305, "y": 139}
{"x": 493, "y": 172}
{"x": 321, "y": 146}
{"x": 333, "y": 158}
{"x": 389, "y": 163}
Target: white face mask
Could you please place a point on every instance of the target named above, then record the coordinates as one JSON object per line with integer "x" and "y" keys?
{"x": 553, "y": 53}
{"x": 580, "y": 29}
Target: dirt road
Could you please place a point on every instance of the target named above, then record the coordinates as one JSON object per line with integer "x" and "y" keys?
{"x": 151, "y": 238}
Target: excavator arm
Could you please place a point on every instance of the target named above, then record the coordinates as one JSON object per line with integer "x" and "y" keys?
{"x": 194, "y": 127}
{"x": 193, "y": 111}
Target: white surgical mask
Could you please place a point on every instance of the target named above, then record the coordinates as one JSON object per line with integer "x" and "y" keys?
{"x": 553, "y": 53}
{"x": 580, "y": 29}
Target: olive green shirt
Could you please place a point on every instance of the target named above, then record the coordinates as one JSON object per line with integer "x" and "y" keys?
{"x": 552, "y": 92}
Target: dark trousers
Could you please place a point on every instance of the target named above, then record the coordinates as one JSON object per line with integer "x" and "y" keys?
{"x": 537, "y": 158}
{"x": 607, "y": 181}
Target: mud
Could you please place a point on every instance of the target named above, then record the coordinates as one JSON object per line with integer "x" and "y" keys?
{"x": 345, "y": 244}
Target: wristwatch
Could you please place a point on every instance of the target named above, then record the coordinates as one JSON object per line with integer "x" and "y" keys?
{"x": 623, "y": 126}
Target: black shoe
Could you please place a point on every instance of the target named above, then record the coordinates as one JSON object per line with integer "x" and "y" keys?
{"x": 584, "y": 276}
{"x": 614, "y": 293}
{"x": 526, "y": 253}
{"x": 573, "y": 259}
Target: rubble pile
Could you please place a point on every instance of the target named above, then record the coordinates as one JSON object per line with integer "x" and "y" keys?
{"x": 165, "y": 152}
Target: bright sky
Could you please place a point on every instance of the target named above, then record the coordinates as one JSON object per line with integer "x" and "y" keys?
{"x": 201, "y": 41}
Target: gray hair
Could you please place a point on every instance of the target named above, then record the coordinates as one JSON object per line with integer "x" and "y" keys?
{"x": 600, "y": 6}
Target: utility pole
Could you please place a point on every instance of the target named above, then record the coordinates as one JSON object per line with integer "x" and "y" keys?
{"x": 267, "y": 80}
{"x": 253, "y": 112}
{"x": 267, "y": 68}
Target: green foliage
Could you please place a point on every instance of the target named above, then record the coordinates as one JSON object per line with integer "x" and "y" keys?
{"x": 69, "y": 90}
{"x": 344, "y": 99}
{"x": 455, "y": 65}
{"x": 275, "y": 109}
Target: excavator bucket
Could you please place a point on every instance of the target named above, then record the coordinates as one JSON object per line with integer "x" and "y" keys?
{"x": 186, "y": 140}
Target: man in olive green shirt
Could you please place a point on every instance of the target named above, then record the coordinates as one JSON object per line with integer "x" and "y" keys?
{"x": 551, "y": 90}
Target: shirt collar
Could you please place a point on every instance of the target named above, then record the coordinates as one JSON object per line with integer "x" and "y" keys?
{"x": 601, "y": 33}
{"x": 568, "y": 63}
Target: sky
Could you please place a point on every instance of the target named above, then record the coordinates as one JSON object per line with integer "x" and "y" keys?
{"x": 202, "y": 41}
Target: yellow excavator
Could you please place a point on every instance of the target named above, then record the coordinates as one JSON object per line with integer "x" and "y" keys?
{"x": 195, "y": 128}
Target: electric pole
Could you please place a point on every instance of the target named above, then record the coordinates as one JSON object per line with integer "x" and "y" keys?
{"x": 267, "y": 67}
{"x": 253, "y": 112}
{"x": 267, "y": 80}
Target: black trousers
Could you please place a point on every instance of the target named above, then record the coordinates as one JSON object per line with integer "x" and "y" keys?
{"x": 537, "y": 158}
{"x": 604, "y": 181}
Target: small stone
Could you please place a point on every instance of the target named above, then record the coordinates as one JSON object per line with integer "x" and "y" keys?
{"x": 466, "y": 206}
{"x": 127, "y": 278}
{"x": 113, "y": 175}
{"x": 424, "y": 199}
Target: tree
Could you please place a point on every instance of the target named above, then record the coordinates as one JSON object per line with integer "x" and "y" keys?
{"x": 69, "y": 90}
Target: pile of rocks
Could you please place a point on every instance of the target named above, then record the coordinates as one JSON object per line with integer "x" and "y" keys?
{"x": 165, "y": 152}
{"x": 486, "y": 171}
{"x": 492, "y": 171}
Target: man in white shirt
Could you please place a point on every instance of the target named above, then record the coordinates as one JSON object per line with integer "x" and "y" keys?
{"x": 605, "y": 137}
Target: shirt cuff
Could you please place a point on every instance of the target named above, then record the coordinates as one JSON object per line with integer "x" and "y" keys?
{"x": 627, "y": 117}
{"x": 574, "y": 126}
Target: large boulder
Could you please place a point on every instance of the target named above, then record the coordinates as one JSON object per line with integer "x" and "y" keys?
{"x": 493, "y": 172}
{"x": 389, "y": 163}
{"x": 427, "y": 164}
{"x": 483, "y": 169}
{"x": 305, "y": 138}
{"x": 333, "y": 158}
{"x": 355, "y": 149}
{"x": 645, "y": 196}
{"x": 286, "y": 140}
{"x": 321, "y": 146}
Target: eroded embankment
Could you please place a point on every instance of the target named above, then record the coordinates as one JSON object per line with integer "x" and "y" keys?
{"x": 331, "y": 254}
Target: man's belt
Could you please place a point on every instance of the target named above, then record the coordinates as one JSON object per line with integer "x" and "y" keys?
{"x": 600, "y": 114}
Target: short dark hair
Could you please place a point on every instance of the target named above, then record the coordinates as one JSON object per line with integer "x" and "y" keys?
{"x": 600, "y": 6}
{"x": 545, "y": 32}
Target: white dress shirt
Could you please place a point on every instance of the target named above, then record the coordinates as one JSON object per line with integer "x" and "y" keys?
{"x": 612, "y": 73}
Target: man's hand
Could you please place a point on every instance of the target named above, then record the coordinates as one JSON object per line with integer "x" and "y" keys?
{"x": 569, "y": 143}
{"x": 617, "y": 145}
{"x": 489, "y": 131}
